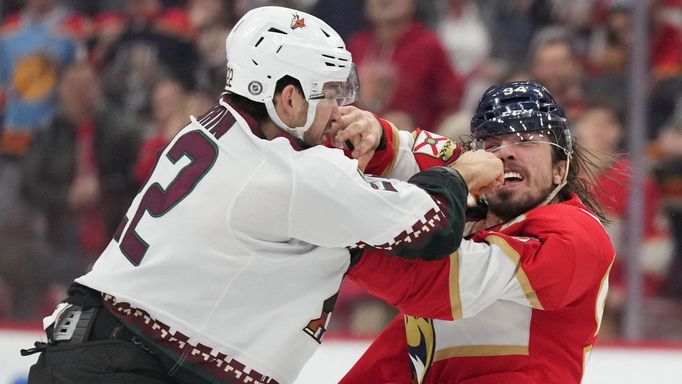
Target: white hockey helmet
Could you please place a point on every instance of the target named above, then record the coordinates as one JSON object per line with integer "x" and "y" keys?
{"x": 268, "y": 43}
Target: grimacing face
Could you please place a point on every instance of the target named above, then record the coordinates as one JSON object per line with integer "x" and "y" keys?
{"x": 294, "y": 112}
{"x": 530, "y": 176}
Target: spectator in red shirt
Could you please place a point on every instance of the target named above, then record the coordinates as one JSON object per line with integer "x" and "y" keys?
{"x": 610, "y": 50}
{"x": 666, "y": 41}
{"x": 404, "y": 70}
{"x": 599, "y": 129}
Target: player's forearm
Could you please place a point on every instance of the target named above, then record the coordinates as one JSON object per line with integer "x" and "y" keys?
{"x": 415, "y": 287}
{"x": 386, "y": 152}
{"x": 447, "y": 187}
{"x": 459, "y": 286}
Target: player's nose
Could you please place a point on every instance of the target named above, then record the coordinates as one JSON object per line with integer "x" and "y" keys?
{"x": 505, "y": 150}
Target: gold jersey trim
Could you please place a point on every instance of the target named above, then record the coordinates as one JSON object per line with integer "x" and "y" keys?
{"x": 519, "y": 274}
{"x": 396, "y": 148}
{"x": 480, "y": 350}
{"x": 455, "y": 298}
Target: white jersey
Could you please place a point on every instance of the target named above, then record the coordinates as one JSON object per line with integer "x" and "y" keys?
{"x": 231, "y": 255}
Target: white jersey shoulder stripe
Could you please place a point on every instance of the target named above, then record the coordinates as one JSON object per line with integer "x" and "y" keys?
{"x": 510, "y": 252}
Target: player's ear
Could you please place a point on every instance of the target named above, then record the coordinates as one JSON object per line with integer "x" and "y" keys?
{"x": 285, "y": 101}
{"x": 558, "y": 171}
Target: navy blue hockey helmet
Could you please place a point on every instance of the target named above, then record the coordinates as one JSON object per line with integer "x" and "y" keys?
{"x": 520, "y": 107}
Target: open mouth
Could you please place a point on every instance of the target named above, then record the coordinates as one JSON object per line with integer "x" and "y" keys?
{"x": 512, "y": 177}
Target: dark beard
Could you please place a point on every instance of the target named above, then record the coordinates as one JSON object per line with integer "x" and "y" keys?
{"x": 506, "y": 210}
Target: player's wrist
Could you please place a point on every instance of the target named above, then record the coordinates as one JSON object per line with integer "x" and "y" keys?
{"x": 386, "y": 130}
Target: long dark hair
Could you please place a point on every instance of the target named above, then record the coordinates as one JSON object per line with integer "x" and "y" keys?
{"x": 581, "y": 178}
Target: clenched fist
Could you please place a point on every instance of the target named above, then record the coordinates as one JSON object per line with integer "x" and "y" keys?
{"x": 482, "y": 171}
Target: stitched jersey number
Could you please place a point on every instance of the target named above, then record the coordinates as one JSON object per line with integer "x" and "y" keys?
{"x": 202, "y": 153}
{"x": 228, "y": 76}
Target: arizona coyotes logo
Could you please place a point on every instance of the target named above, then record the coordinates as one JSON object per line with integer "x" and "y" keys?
{"x": 297, "y": 22}
{"x": 421, "y": 345}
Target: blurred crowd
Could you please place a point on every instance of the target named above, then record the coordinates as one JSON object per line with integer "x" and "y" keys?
{"x": 90, "y": 90}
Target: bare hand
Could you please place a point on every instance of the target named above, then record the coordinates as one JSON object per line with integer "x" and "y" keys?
{"x": 84, "y": 192}
{"x": 361, "y": 128}
{"x": 482, "y": 171}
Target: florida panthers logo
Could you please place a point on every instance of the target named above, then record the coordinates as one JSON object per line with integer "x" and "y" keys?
{"x": 431, "y": 145}
{"x": 297, "y": 22}
{"x": 421, "y": 344}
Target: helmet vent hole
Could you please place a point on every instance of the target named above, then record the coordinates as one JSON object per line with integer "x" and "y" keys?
{"x": 279, "y": 49}
{"x": 329, "y": 56}
{"x": 254, "y": 61}
{"x": 275, "y": 30}
{"x": 325, "y": 32}
{"x": 259, "y": 41}
{"x": 330, "y": 64}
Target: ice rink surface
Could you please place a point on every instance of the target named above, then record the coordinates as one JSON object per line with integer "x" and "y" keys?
{"x": 608, "y": 364}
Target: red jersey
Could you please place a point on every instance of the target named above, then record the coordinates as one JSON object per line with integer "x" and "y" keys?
{"x": 398, "y": 76}
{"x": 517, "y": 303}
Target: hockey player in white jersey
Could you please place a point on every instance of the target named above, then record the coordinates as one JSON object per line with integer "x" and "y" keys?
{"x": 227, "y": 264}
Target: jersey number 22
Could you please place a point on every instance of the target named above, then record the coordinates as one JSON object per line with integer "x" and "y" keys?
{"x": 157, "y": 201}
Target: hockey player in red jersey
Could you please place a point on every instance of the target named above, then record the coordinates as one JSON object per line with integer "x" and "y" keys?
{"x": 521, "y": 300}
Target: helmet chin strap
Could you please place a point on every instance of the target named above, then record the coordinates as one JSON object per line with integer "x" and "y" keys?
{"x": 296, "y": 131}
